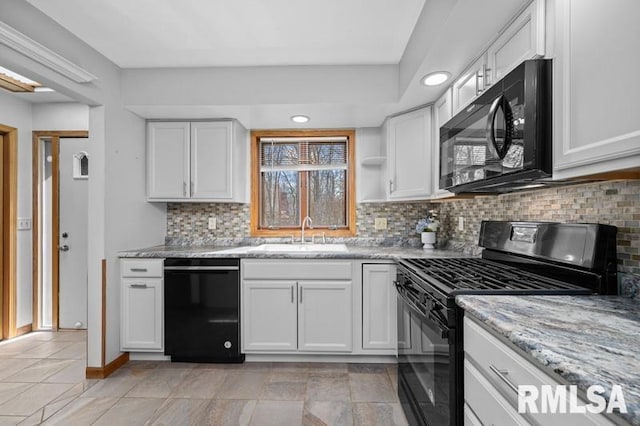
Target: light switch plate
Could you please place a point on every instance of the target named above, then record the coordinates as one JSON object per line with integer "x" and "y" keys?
{"x": 213, "y": 223}
{"x": 460, "y": 223}
{"x": 380, "y": 223}
{"x": 24, "y": 223}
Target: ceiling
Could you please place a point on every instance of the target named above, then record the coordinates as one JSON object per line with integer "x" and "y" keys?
{"x": 197, "y": 33}
{"x": 343, "y": 63}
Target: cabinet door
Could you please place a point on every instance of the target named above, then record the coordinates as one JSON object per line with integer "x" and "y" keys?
{"x": 168, "y": 160}
{"x": 523, "y": 39}
{"x": 324, "y": 316}
{"x": 378, "y": 307}
{"x": 470, "y": 85}
{"x": 142, "y": 315}
{"x": 211, "y": 160}
{"x": 442, "y": 112}
{"x": 596, "y": 87}
{"x": 269, "y": 315}
{"x": 409, "y": 152}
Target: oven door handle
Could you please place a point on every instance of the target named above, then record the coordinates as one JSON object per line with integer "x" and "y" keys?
{"x": 444, "y": 330}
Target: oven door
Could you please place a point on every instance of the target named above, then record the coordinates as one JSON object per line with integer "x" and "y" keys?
{"x": 426, "y": 366}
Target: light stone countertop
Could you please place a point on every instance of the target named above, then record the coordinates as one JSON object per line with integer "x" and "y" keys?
{"x": 353, "y": 252}
{"x": 587, "y": 340}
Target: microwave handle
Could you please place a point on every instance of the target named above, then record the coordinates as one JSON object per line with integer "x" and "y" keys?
{"x": 500, "y": 101}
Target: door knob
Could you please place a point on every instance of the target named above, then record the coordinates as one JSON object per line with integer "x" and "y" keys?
{"x": 64, "y": 248}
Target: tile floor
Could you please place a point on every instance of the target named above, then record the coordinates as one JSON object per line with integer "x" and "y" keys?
{"x": 42, "y": 382}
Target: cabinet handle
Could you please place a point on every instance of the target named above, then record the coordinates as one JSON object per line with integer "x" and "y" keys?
{"x": 502, "y": 374}
{"x": 141, "y": 285}
{"x": 300, "y": 294}
{"x": 184, "y": 189}
{"x": 191, "y": 188}
{"x": 390, "y": 186}
{"x": 487, "y": 76}
{"x": 292, "y": 294}
{"x": 479, "y": 81}
{"x": 138, "y": 269}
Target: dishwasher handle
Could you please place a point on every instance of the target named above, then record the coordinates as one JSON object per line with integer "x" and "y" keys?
{"x": 201, "y": 268}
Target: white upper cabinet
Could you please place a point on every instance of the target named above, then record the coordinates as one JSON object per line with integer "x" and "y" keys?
{"x": 470, "y": 85}
{"x": 596, "y": 87}
{"x": 168, "y": 160}
{"x": 196, "y": 161}
{"x": 211, "y": 160}
{"x": 523, "y": 39}
{"x": 442, "y": 112}
{"x": 409, "y": 155}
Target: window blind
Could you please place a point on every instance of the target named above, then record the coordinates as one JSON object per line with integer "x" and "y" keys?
{"x": 303, "y": 154}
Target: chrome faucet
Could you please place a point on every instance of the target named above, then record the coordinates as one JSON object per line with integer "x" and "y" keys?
{"x": 308, "y": 222}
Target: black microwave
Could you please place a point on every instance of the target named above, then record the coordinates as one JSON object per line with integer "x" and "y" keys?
{"x": 501, "y": 142}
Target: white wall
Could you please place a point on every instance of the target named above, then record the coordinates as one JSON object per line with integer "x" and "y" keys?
{"x": 119, "y": 218}
{"x": 60, "y": 116}
{"x": 17, "y": 113}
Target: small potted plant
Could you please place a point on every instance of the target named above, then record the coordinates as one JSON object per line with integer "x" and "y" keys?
{"x": 427, "y": 229}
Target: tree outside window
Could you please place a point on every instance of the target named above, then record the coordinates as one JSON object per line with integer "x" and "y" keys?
{"x": 303, "y": 175}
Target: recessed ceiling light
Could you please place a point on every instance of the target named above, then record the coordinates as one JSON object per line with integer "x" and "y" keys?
{"x": 435, "y": 78}
{"x": 299, "y": 118}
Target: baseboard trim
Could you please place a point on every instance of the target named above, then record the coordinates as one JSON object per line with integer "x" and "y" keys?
{"x": 378, "y": 359}
{"x": 107, "y": 370}
{"x": 24, "y": 330}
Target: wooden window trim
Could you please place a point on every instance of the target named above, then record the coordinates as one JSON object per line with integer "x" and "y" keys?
{"x": 350, "y": 231}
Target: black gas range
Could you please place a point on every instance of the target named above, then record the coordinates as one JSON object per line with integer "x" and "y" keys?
{"x": 519, "y": 258}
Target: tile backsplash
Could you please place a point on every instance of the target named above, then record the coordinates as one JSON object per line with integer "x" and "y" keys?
{"x": 189, "y": 222}
{"x": 610, "y": 202}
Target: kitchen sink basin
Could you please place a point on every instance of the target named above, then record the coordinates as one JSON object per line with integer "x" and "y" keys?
{"x": 299, "y": 248}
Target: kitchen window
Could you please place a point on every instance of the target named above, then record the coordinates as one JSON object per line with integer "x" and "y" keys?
{"x": 302, "y": 173}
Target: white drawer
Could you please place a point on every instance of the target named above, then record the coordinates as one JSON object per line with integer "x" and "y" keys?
{"x": 485, "y": 351}
{"x": 133, "y": 268}
{"x": 296, "y": 269}
{"x": 486, "y": 402}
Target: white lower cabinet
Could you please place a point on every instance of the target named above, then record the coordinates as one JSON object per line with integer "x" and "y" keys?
{"x": 379, "y": 303}
{"x": 294, "y": 306}
{"x": 492, "y": 373}
{"x": 269, "y": 315}
{"x": 142, "y": 308}
{"x": 324, "y": 316}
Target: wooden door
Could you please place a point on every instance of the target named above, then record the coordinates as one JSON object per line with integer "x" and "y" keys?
{"x": 2, "y": 236}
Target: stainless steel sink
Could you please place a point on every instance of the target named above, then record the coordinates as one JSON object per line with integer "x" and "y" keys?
{"x": 299, "y": 248}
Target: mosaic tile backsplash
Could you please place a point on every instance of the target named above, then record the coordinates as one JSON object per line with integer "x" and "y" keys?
{"x": 610, "y": 202}
{"x": 188, "y": 223}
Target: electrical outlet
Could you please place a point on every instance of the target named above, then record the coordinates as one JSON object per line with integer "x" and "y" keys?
{"x": 381, "y": 223}
{"x": 460, "y": 223}
{"x": 213, "y": 223}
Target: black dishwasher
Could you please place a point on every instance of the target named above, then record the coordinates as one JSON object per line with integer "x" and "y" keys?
{"x": 202, "y": 310}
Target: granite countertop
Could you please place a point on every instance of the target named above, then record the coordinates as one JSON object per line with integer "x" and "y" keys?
{"x": 353, "y": 252}
{"x": 587, "y": 340}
